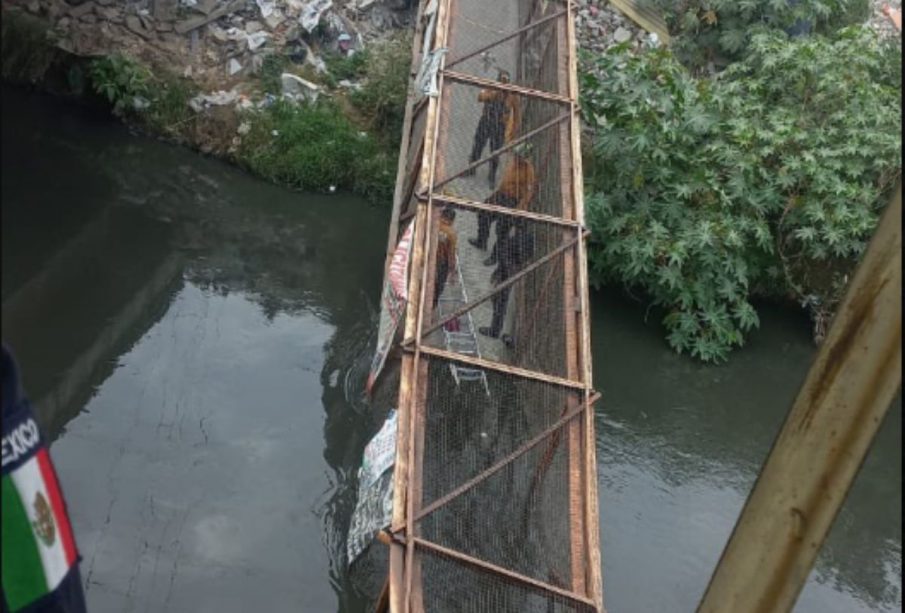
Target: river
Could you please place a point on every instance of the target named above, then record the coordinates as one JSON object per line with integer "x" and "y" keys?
{"x": 195, "y": 342}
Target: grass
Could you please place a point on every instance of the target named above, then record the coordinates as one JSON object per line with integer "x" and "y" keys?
{"x": 316, "y": 147}
{"x": 382, "y": 97}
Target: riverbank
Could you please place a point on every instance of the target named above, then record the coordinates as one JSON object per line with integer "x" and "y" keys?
{"x": 308, "y": 94}
{"x": 307, "y": 101}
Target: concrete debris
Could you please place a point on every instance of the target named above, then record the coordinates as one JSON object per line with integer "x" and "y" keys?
{"x": 256, "y": 40}
{"x": 135, "y": 25}
{"x": 297, "y": 88}
{"x": 193, "y": 23}
{"x": 274, "y": 20}
{"x": 312, "y": 12}
{"x": 234, "y": 67}
{"x": 253, "y": 26}
{"x": 622, "y": 35}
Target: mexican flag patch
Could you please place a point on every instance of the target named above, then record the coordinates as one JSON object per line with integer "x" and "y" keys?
{"x": 38, "y": 548}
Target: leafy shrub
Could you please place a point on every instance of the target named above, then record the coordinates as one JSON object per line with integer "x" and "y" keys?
{"x": 27, "y": 51}
{"x": 121, "y": 80}
{"x": 767, "y": 179}
{"x": 315, "y": 147}
{"x": 719, "y": 31}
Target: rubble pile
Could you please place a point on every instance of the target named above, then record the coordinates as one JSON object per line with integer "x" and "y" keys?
{"x": 600, "y": 26}
{"x": 217, "y": 41}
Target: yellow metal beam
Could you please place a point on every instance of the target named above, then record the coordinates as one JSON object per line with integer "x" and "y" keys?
{"x": 823, "y": 442}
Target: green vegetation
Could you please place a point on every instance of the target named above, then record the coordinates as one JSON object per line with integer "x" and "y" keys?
{"x": 720, "y": 31}
{"x": 316, "y": 147}
{"x": 765, "y": 180}
{"x": 28, "y": 50}
{"x": 157, "y": 101}
{"x": 382, "y": 98}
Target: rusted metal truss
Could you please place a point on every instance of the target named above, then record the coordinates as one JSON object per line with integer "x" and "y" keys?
{"x": 534, "y": 40}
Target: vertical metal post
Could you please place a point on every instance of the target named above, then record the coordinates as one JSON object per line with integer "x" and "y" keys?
{"x": 823, "y": 442}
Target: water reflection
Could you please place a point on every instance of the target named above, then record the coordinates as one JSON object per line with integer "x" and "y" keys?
{"x": 198, "y": 341}
{"x": 680, "y": 445}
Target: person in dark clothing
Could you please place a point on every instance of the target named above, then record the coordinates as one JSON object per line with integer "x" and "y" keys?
{"x": 514, "y": 254}
{"x": 516, "y": 190}
{"x": 446, "y": 251}
{"x": 40, "y": 572}
{"x": 496, "y": 126}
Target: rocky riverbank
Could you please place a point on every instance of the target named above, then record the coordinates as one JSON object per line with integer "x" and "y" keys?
{"x": 219, "y": 43}
{"x": 209, "y": 73}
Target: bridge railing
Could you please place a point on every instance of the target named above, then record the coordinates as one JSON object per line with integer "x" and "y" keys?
{"x": 495, "y": 486}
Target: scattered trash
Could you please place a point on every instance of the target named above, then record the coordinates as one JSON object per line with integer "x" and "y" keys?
{"x": 219, "y": 98}
{"x": 234, "y": 66}
{"x": 275, "y": 132}
{"x": 297, "y": 87}
{"x": 312, "y": 12}
{"x": 332, "y": 188}
{"x": 345, "y": 42}
{"x": 267, "y": 7}
{"x": 256, "y": 40}
{"x": 297, "y": 53}
{"x": 268, "y": 100}
{"x": 244, "y": 128}
{"x": 189, "y": 3}
{"x": 139, "y": 103}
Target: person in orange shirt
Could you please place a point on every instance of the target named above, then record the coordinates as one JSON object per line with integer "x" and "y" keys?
{"x": 447, "y": 238}
{"x": 498, "y": 124}
{"x": 516, "y": 190}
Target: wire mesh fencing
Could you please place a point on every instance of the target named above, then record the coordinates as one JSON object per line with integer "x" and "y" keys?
{"x": 495, "y": 500}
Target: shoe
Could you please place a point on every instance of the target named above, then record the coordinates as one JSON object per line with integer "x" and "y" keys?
{"x": 476, "y": 243}
{"x": 490, "y": 261}
{"x": 486, "y": 331}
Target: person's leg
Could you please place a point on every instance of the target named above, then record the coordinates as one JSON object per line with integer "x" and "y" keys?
{"x": 496, "y": 142}
{"x": 484, "y": 220}
{"x": 500, "y": 302}
{"x": 481, "y": 136}
{"x": 503, "y": 223}
{"x": 440, "y": 282}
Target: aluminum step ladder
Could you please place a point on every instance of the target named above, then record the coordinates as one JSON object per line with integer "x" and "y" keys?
{"x": 464, "y": 341}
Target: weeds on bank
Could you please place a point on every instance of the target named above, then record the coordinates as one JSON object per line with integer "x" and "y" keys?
{"x": 381, "y": 100}
{"x": 159, "y": 101}
{"x": 27, "y": 50}
{"x": 315, "y": 147}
